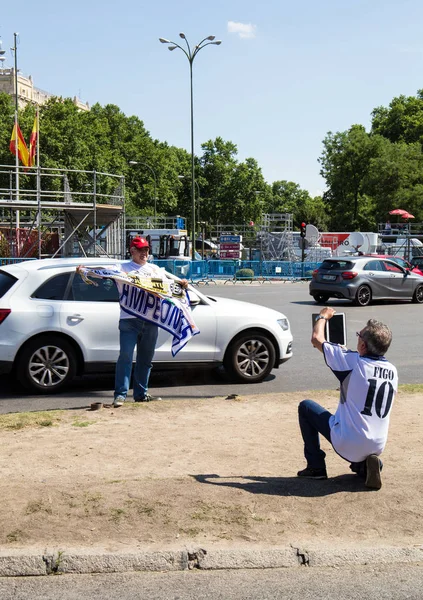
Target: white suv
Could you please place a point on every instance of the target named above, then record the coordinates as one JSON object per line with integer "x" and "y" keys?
{"x": 53, "y": 326}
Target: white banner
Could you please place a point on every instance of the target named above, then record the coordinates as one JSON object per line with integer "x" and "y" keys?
{"x": 162, "y": 302}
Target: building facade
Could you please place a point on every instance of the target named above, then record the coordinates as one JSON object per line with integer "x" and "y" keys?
{"x": 27, "y": 92}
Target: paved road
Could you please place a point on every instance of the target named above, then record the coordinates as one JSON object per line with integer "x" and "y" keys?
{"x": 355, "y": 583}
{"x": 305, "y": 371}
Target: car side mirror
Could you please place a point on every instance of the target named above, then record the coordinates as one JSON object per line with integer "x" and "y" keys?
{"x": 193, "y": 298}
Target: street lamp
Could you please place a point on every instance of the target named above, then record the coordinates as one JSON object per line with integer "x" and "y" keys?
{"x": 261, "y": 202}
{"x": 191, "y": 54}
{"x": 136, "y": 162}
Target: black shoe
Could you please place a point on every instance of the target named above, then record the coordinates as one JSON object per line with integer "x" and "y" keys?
{"x": 310, "y": 473}
{"x": 373, "y": 479}
{"x": 359, "y": 468}
{"x": 147, "y": 398}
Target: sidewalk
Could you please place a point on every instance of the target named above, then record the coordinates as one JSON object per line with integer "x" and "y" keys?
{"x": 186, "y": 483}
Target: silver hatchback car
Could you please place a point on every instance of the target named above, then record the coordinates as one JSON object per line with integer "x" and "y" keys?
{"x": 362, "y": 279}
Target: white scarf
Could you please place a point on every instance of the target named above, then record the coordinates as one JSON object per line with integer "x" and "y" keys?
{"x": 152, "y": 299}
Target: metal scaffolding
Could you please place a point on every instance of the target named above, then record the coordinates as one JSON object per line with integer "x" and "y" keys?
{"x": 61, "y": 212}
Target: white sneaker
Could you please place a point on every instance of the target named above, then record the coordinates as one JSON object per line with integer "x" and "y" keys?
{"x": 118, "y": 401}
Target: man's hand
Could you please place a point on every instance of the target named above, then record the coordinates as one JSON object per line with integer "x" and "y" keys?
{"x": 327, "y": 312}
{"x": 318, "y": 335}
{"x": 78, "y": 268}
{"x": 183, "y": 283}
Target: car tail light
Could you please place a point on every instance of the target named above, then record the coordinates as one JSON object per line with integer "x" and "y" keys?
{"x": 3, "y": 313}
{"x": 314, "y": 274}
{"x": 349, "y": 274}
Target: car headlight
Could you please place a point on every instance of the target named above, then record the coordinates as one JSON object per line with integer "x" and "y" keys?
{"x": 284, "y": 323}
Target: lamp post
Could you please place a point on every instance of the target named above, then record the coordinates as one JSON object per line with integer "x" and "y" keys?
{"x": 261, "y": 202}
{"x": 191, "y": 54}
{"x": 136, "y": 162}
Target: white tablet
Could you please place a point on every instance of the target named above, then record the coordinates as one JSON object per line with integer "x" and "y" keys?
{"x": 335, "y": 329}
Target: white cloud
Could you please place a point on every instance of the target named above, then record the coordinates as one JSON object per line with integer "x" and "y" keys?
{"x": 244, "y": 30}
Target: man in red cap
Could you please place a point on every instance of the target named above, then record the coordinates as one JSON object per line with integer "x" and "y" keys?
{"x": 134, "y": 331}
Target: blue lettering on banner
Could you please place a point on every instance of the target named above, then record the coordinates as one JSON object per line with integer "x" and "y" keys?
{"x": 167, "y": 306}
{"x": 125, "y": 292}
{"x": 150, "y": 303}
{"x": 156, "y": 313}
{"x": 176, "y": 318}
{"x": 137, "y": 299}
{"x": 171, "y": 316}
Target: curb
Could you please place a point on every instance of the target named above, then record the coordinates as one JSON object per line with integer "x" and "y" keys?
{"x": 83, "y": 562}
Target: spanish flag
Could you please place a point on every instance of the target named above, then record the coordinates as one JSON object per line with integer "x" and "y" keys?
{"x": 33, "y": 142}
{"x": 18, "y": 146}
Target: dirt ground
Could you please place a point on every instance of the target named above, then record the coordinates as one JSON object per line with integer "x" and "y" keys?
{"x": 200, "y": 472}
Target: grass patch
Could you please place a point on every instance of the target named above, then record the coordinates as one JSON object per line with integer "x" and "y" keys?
{"x": 93, "y": 498}
{"x": 38, "y": 506}
{"x": 78, "y": 423}
{"x": 191, "y": 531}
{"x": 116, "y": 514}
{"x": 92, "y": 504}
{"x": 16, "y": 421}
{"x": 411, "y": 388}
{"x": 141, "y": 508}
{"x": 16, "y": 535}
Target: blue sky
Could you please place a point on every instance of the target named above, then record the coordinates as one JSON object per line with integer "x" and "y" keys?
{"x": 285, "y": 74}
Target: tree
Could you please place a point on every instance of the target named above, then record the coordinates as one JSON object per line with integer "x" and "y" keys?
{"x": 345, "y": 164}
{"x": 402, "y": 121}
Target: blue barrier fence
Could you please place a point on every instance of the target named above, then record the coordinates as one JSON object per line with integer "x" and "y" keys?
{"x": 225, "y": 269}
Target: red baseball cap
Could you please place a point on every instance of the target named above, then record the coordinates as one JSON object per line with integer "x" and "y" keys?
{"x": 139, "y": 242}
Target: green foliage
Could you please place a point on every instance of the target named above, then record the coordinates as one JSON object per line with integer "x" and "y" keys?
{"x": 244, "y": 274}
{"x": 402, "y": 121}
{"x": 367, "y": 174}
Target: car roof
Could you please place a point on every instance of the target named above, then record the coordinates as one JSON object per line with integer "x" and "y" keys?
{"x": 57, "y": 263}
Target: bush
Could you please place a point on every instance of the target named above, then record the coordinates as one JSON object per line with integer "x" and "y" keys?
{"x": 244, "y": 274}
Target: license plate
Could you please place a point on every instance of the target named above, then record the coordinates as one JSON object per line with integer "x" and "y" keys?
{"x": 329, "y": 277}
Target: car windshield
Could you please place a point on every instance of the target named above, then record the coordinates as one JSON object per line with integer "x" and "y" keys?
{"x": 6, "y": 282}
{"x": 334, "y": 265}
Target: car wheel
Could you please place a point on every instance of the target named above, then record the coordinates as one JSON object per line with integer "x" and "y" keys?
{"x": 46, "y": 365}
{"x": 418, "y": 294}
{"x": 363, "y": 296}
{"x": 250, "y": 357}
{"x": 321, "y": 298}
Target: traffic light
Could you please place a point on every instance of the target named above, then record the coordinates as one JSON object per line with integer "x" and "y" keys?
{"x": 303, "y": 230}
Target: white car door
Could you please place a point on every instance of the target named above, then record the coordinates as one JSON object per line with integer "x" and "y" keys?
{"x": 91, "y": 317}
{"x": 201, "y": 347}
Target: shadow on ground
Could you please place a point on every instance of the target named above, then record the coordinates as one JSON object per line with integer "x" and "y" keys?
{"x": 287, "y": 486}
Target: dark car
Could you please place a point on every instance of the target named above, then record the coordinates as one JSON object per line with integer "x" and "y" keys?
{"x": 362, "y": 279}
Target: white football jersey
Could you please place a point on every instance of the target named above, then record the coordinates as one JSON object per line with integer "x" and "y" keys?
{"x": 368, "y": 387}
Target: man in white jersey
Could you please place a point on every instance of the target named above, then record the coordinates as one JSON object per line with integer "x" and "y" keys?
{"x": 368, "y": 383}
{"x": 134, "y": 331}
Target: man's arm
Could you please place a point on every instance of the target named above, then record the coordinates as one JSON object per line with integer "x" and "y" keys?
{"x": 318, "y": 335}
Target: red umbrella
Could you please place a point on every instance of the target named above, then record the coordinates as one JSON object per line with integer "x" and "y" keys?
{"x": 402, "y": 213}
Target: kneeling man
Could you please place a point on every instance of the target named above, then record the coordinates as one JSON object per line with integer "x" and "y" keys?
{"x": 368, "y": 383}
